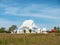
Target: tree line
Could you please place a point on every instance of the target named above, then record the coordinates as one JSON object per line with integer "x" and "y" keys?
{"x": 13, "y": 27}
{"x": 3, "y": 29}
{"x": 57, "y": 29}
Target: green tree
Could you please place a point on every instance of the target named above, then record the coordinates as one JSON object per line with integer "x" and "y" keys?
{"x": 13, "y": 27}
{"x": 55, "y": 27}
{"x": 58, "y": 30}
{"x": 30, "y": 30}
{"x": 2, "y": 30}
{"x": 24, "y": 31}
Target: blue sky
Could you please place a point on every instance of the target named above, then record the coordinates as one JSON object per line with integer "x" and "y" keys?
{"x": 45, "y": 13}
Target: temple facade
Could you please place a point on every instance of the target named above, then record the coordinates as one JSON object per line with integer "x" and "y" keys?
{"x": 29, "y": 26}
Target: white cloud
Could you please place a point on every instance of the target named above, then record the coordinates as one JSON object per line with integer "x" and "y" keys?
{"x": 11, "y": 10}
{"x": 44, "y": 11}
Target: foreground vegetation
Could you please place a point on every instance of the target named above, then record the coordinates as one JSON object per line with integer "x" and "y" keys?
{"x": 30, "y": 39}
{"x": 6, "y": 38}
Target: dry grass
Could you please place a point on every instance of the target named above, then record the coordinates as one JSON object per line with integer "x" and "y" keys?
{"x": 30, "y": 39}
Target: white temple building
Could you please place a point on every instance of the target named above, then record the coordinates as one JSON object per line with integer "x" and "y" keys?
{"x": 29, "y": 25}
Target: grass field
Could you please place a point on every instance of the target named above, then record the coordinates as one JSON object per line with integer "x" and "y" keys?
{"x": 30, "y": 39}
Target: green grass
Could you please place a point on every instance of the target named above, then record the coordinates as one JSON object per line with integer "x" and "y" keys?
{"x": 30, "y": 39}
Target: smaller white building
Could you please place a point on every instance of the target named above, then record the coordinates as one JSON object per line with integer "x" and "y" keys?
{"x": 44, "y": 30}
